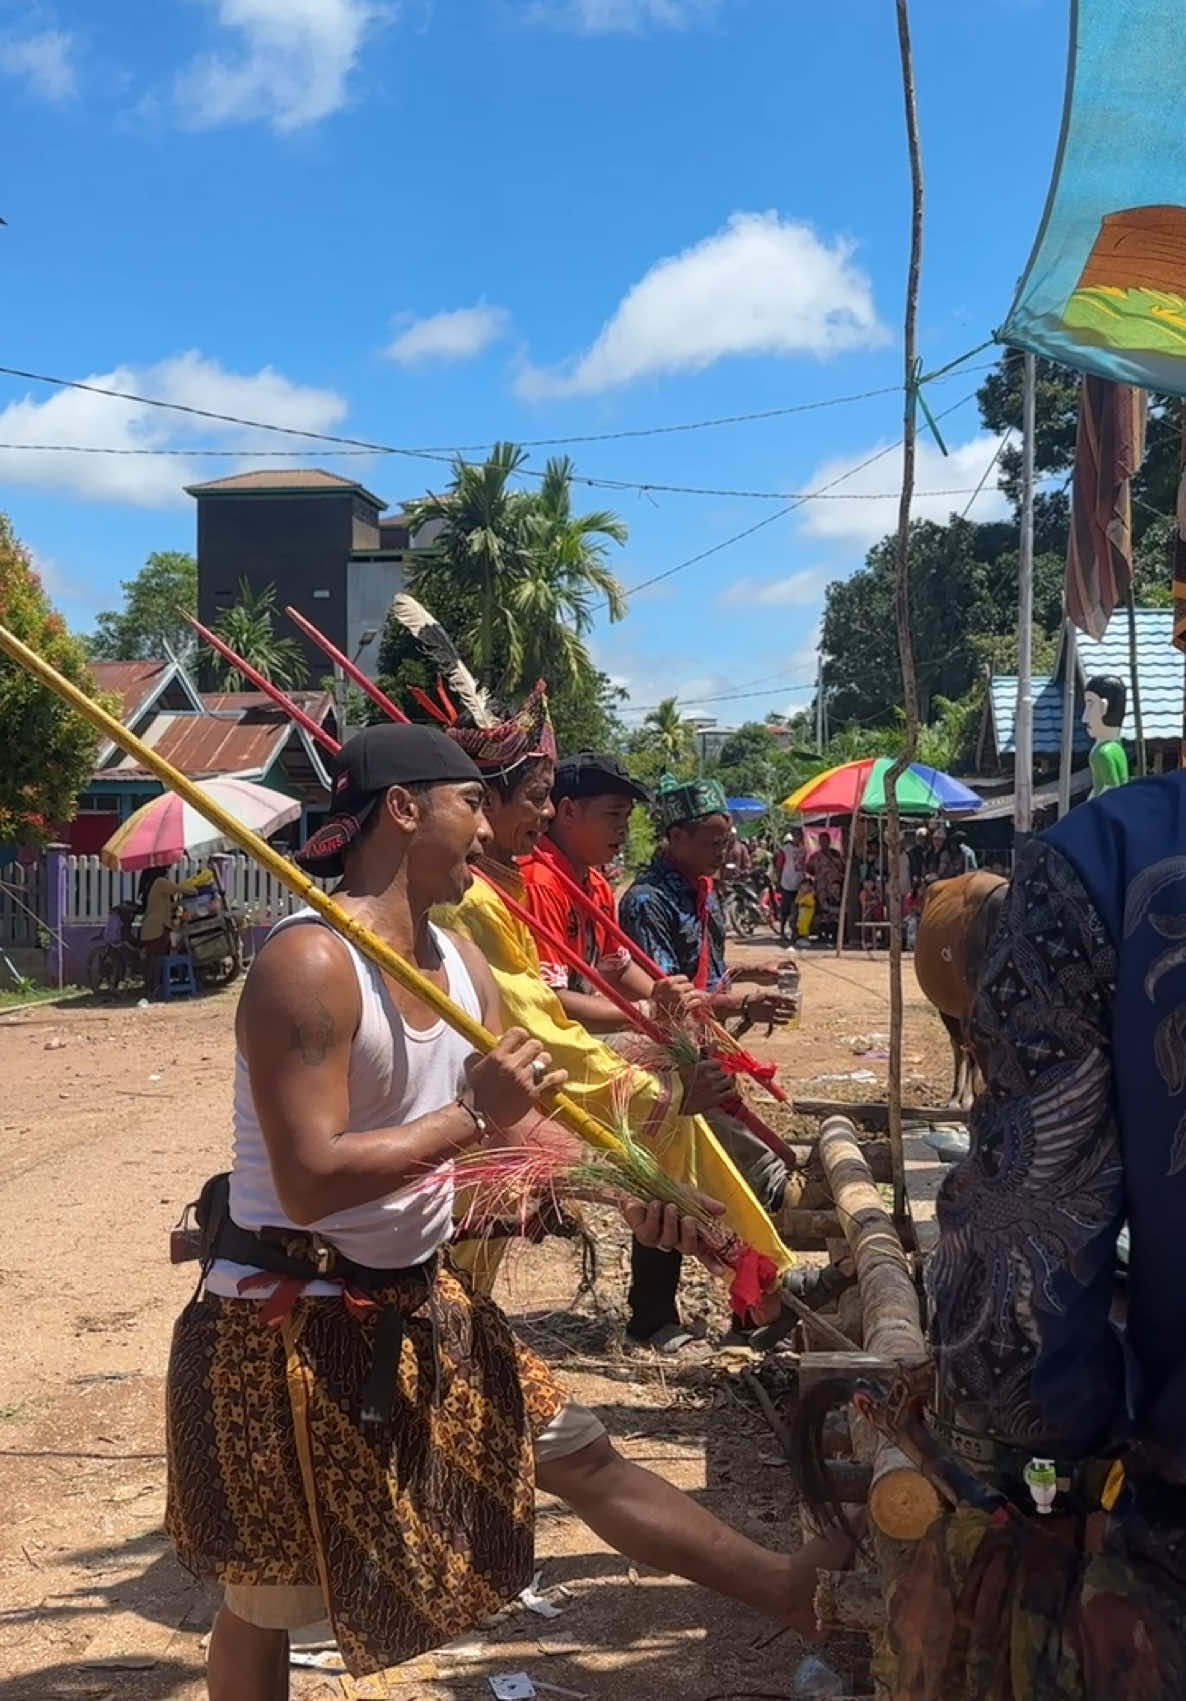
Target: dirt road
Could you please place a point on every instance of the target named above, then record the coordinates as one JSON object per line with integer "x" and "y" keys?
{"x": 110, "y": 1117}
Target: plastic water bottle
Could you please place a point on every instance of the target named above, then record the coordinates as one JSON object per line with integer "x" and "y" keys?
{"x": 814, "y": 1680}
{"x": 789, "y": 984}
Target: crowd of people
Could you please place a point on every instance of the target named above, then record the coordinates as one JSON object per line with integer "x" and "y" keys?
{"x": 354, "y": 1431}
{"x": 802, "y": 879}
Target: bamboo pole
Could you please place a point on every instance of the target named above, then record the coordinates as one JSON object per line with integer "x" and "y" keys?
{"x": 902, "y": 1503}
{"x": 1138, "y": 719}
{"x": 902, "y": 606}
{"x": 566, "y": 1111}
{"x": 262, "y": 683}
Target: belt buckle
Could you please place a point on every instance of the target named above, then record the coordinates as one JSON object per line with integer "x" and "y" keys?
{"x": 323, "y": 1256}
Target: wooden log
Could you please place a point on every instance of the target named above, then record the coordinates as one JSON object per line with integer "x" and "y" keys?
{"x": 808, "y": 1231}
{"x": 849, "y": 1600}
{"x": 850, "y": 1480}
{"x": 875, "y": 1117}
{"x": 902, "y": 1503}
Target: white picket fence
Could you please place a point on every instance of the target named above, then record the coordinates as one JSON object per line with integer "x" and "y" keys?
{"x": 21, "y": 903}
{"x": 93, "y": 891}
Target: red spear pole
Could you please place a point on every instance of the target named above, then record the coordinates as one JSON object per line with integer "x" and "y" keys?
{"x": 326, "y": 740}
{"x": 734, "y": 1106}
{"x": 349, "y": 668}
{"x": 620, "y": 937}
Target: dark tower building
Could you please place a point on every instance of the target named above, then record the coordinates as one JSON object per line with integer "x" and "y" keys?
{"x": 314, "y": 535}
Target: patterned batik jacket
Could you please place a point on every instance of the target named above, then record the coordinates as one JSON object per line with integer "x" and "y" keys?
{"x": 1080, "y": 1030}
{"x": 667, "y": 915}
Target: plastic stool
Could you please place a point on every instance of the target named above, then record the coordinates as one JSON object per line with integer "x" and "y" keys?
{"x": 176, "y": 978}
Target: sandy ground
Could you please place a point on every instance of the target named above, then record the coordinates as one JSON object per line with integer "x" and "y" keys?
{"x": 110, "y": 1117}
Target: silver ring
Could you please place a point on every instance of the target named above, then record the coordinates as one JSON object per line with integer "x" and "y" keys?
{"x": 538, "y": 1070}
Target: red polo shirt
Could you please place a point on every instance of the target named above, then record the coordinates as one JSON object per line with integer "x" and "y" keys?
{"x": 559, "y": 913}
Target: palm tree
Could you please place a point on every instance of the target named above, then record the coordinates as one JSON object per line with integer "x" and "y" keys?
{"x": 562, "y": 580}
{"x": 247, "y": 627}
{"x": 673, "y": 737}
{"x": 481, "y": 534}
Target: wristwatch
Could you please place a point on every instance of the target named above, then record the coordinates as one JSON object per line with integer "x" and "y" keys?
{"x": 476, "y": 1117}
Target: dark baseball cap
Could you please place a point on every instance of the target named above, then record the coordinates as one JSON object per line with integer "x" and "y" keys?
{"x": 590, "y": 775}
{"x": 363, "y": 771}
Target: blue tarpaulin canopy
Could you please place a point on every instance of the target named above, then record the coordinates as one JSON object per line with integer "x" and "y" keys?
{"x": 746, "y": 806}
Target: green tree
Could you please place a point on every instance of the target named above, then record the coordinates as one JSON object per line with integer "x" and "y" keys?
{"x": 522, "y": 575}
{"x": 248, "y": 627}
{"x": 585, "y": 714}
{"x": 748, "y": 762}
{"x": 481, "y": 542}
{"x": 148, "y": 624}
{"x": 561, "y": 581}
{"x": 672, "y": 738}
{"x": 49, "y": 750}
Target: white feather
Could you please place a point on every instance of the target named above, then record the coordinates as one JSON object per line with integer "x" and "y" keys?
{"x": 441, "y": 651}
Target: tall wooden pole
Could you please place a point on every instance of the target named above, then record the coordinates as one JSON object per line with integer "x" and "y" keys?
{"x": 1023, "y": 765}
{"x": 1070, "y": 656}
{"x": 1138, "y": 719}
{"x": 902, "y": 608}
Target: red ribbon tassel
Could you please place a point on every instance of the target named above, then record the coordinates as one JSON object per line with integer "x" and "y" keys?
{"x": 753, "y": 1276}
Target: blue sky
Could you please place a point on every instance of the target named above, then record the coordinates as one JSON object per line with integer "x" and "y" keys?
{"x": 438, "y": 222}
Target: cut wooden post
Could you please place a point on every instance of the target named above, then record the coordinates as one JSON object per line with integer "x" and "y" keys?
{"x": 850, "y": 1481}
{"x": 809, "y": 1231}
{"x": 902, "y": 1503}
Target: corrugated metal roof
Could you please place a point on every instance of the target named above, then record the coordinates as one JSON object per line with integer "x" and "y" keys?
{"x": 201, "y": 745}
{"x": 315, "y": 703}
{"x": 278, "y": 480}
{"x": 132, "y": 681}
{"x": 1160, "y": 668}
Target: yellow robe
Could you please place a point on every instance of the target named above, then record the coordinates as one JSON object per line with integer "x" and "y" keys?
{"x": 685, "y": 1145}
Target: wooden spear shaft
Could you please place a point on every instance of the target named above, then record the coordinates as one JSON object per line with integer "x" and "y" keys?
{"x": 566, "y": 1111}
{"x": 351, "y": 669}
{"x": 318, "y": 733}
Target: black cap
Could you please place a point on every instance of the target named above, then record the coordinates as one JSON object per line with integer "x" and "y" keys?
{"x": 590, "y": 775}
{"x": 363, "y": 770}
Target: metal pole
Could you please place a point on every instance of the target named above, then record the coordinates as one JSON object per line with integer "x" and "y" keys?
{"x": 819, "y": 704}
{"x": 1070, "y": 652}
{"x": 1023, "y": 783}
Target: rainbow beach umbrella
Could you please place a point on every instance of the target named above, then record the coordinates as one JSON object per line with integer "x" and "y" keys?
{"x": 167, "y": 828}
{"x": 859, "y": 787}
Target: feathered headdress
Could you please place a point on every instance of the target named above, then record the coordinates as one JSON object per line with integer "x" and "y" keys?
{"x": 492, "y": 743}
{"x": 453, "y": 675}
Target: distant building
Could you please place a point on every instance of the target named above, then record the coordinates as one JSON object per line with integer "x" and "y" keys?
{"x": 203, "y": 734}
{"x": 319, "y": 538}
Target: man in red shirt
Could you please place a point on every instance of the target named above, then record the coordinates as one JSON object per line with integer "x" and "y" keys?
{"x": 593, "y": 798}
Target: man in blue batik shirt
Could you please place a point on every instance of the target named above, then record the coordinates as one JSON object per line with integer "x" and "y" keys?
{"x": 1080, "y": 1031}
{"x": 673, "y": 912}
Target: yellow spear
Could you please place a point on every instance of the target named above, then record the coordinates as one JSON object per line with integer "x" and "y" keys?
{"x": 566, "y": 1111}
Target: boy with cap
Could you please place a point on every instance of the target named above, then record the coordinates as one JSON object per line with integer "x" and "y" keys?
{"x": 593, "y": 798}
{"x": 350, "y": 1429}
{"x": 674, "y": 914}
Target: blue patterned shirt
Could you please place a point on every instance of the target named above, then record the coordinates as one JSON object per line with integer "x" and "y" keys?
{"x": 1022, "y": 1280}
{"x": 660, "y": 913}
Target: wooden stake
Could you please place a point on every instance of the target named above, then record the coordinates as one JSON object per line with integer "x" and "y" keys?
{"x": 893, "y": 816}
{"x": 849, "y": 1600}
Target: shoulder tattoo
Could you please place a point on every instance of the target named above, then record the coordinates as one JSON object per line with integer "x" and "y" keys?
{"x": 312, "y": 1036}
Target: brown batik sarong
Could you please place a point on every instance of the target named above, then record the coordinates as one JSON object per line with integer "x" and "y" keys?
{"x": 416, "y": 1528}
{"x": 1006, "y": 1612}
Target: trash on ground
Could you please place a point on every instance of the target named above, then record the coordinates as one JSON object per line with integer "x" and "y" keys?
{"x": 513, "y": 1686}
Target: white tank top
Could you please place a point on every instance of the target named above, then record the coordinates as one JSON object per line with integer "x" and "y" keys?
{"x": 397, "y": 1074}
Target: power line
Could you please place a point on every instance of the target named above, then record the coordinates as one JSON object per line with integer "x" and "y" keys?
{"x": 607, "y": 483}
{"x": 770, "y": 519}
{"x": 436, "y": 451}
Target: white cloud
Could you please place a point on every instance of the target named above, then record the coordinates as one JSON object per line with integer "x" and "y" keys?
{"x": 625, "y": 17}
{"x": 57, "y": 582}
{"x": 148, "y": 481}
{"x": 866, "y": 522}
{"x": 45, "y": 61}
{"x": 797, "y": 590}
{"x": 291, "y": 67}
{"x": 762, "y": 285}
{"x": 457, "y": 335}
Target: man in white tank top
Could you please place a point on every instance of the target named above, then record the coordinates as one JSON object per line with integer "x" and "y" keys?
{"x": 401, "y": 1504}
